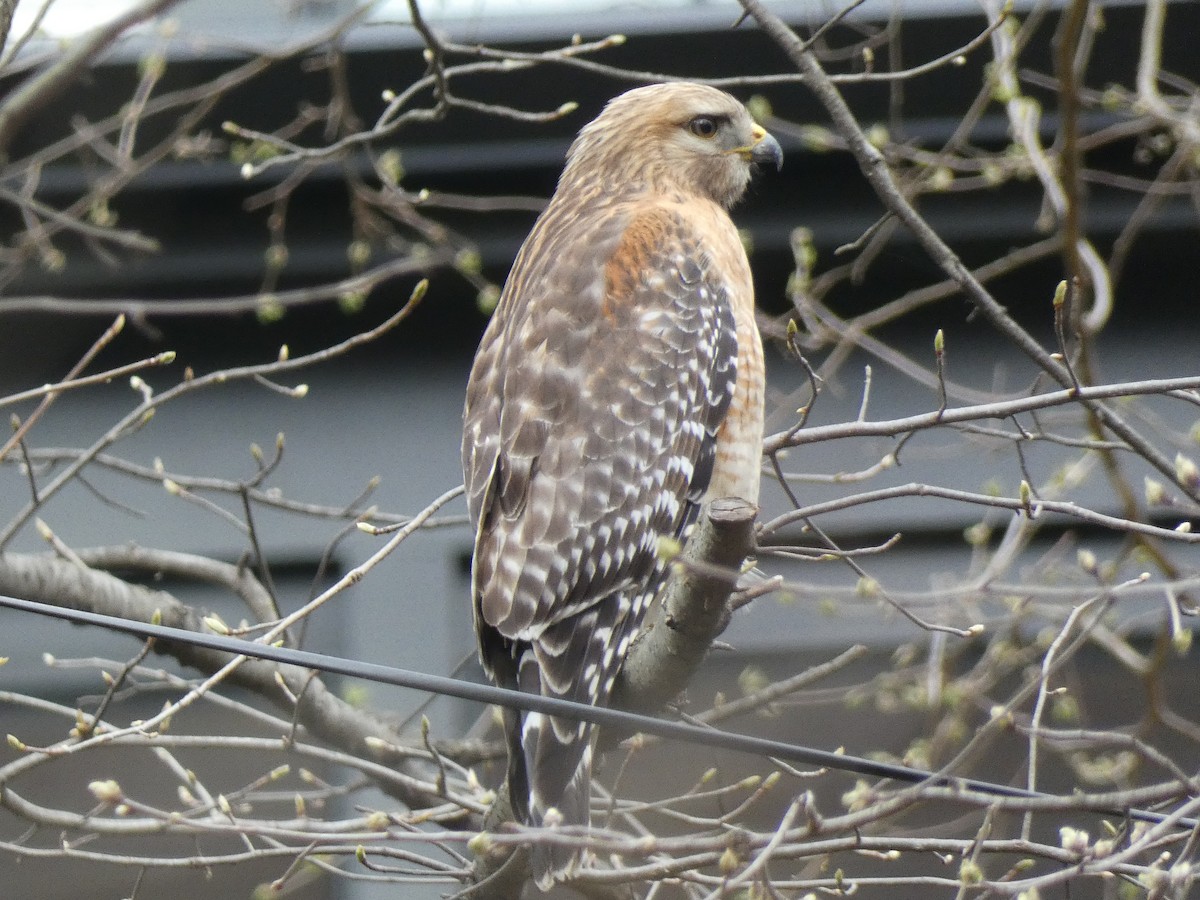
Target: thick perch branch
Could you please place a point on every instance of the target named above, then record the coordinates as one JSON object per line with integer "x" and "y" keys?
{"x": 693, "y": 610}
{"x": 323, "y": 714}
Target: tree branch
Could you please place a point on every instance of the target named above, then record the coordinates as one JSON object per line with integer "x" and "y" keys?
{"x": 875, "y": 168}
{"x": 325, "y": 715}
{"x": 693, "y": 610}
{"x": 45, "y": 87}
{"x": 7, "y": 8}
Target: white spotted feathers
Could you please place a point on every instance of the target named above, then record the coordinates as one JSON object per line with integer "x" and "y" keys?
{"x": 618, "y": 384}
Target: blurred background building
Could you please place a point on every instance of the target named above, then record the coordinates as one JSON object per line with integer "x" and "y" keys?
{"x": 393, "y": 409}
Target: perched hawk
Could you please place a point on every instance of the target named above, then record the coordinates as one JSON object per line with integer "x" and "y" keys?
{"x": 618, "y": 385}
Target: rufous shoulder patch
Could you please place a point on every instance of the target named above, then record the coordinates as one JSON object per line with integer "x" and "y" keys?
{"x": 641, "y": 242}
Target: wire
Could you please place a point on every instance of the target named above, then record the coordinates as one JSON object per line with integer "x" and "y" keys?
{"x": 598, "y": 715}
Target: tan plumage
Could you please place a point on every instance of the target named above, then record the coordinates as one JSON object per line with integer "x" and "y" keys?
{"x": 618, "y": 384}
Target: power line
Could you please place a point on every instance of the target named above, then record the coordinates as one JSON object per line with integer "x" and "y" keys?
{"x": 486, "y": 693}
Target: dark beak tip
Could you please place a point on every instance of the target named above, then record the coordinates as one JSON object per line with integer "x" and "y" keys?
{"x": 768, "y": 151}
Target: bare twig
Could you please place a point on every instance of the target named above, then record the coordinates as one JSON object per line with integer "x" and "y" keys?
{"x": 43, "y": 88}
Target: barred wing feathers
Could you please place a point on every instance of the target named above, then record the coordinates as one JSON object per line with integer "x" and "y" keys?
{"x": 590, "y": 431}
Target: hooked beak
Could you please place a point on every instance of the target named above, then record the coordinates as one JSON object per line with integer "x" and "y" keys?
{"x": 764, "y": 149}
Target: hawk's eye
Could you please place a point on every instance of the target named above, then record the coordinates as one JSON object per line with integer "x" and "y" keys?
{"x": 703, "y": 126}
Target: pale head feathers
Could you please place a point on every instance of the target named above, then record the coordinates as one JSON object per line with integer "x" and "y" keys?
{"x": 676, "y": 137}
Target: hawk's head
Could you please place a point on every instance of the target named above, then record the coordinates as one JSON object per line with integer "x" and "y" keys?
{"x": 690, "y": 137}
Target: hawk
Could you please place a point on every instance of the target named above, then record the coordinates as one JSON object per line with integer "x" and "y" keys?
{"x": 618, "y": 385}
